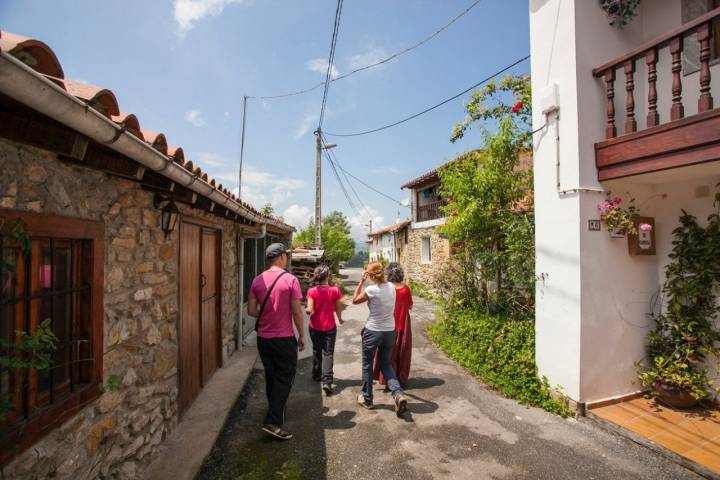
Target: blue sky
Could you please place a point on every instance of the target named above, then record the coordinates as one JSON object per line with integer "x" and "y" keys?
{"x": 183, "y": 66}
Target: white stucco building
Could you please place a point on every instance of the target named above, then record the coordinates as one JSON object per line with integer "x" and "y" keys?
{"x": 593, "y": 296}
{"x": 387, "y": 243}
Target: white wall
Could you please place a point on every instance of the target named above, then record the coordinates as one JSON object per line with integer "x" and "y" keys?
{"x": 591, "y": 322}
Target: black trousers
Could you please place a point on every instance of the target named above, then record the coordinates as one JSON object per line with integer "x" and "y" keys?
{"x": 323, "y": 352}
{"x": 279, "y": 358}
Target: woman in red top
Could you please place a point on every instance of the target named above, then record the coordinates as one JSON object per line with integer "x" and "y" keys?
{"x": 323, "y": 303}
{"x": 402, "y": 350}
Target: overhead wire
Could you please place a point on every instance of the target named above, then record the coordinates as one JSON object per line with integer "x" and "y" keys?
{"x": 367, "y": 185}
{"x": 429, "y": 109}
{"x": 331, "y": 61}
{"x": 347, "y": 180}
{"x": 379, "y": 62}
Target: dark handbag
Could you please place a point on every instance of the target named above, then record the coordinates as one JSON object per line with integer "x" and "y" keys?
{"x": 267, "y": 297}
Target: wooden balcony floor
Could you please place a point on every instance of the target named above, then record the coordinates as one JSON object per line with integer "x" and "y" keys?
{"x": 694, "y": 434}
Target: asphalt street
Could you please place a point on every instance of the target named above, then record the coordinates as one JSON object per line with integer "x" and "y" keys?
{"x": 454, "y": 428}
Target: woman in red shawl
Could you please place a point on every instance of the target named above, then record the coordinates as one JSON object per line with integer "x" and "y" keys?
{"x": 402, "y": 349}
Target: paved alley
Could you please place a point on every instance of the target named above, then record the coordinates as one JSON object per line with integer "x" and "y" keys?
{"x": 455, "y": 428}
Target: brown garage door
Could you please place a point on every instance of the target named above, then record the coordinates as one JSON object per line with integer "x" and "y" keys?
{"x": 199, "y": 329}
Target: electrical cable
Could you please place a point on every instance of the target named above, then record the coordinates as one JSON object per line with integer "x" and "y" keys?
{"x": 369, "y": 186}
{"x": 429, "y": 109}
{"x": 347, "y": 180}
{"x": 378, "y": 63}
{"x": 331, "y": 61}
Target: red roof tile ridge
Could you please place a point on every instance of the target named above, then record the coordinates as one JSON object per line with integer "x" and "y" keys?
{"x": 34, "y": 53}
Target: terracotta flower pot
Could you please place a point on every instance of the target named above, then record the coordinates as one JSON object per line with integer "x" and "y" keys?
{"x": 673, "y": 396}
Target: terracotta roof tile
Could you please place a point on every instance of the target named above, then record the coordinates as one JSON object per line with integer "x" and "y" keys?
{"x": 156, "y": 139}
{"x": 130, "y": 122}
{"x": 32, "y": 53}
{"x": 99, "y": 98}
{"x": 390, "y": 229}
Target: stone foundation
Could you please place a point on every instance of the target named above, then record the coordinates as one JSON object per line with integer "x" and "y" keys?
{"x": 116, "y": 435}
{"x": 411, "y": 259}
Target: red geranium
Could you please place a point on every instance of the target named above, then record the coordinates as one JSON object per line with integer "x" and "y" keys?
{"x": 517, "y": 107}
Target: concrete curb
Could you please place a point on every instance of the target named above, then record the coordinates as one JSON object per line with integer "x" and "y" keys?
{"x": 650, "y": 445}
{"x": 184, "y": 452}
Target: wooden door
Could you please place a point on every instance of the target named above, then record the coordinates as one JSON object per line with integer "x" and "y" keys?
{"x": 209, "y": 300}
{"x": 199, "y": 331}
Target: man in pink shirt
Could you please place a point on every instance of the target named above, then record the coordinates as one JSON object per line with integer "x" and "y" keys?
{"x": 275, "y": 301}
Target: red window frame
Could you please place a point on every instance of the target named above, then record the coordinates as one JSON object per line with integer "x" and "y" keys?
{"x": 41, "y": 412}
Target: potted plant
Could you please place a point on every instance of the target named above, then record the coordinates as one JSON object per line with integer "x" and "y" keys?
{"x": 619, "y": 12}
{"x": 621, "y": 221}
{"x": 684, "y": 335}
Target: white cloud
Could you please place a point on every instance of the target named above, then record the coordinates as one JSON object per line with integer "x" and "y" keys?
{"x": 306, "y": 125}
{"x": 260, "y": 187}
{"x": 188, "y": 12}
{"x": 406, "y": 201}
{"x": 297, "y": 216}
{"x": 226, "y": 116}
{"x": 359, "y": 223}
{"x": 195, "y": 117}
{"x": 373, "y": 55}
{"x": 210, "y": 159}
{"x": 320, "y": 65}
{"x": 386, "y": 170}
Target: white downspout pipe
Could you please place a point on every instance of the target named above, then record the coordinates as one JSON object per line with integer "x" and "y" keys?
{"x": 30, "y": 88}
{"x": 241, "y": 280}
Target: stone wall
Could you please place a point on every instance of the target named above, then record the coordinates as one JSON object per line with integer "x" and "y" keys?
{"x": 417, "y": 271}
{"x": 116, "y": 435}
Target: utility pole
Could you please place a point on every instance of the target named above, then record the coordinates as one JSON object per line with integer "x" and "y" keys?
{"x": 318, "y": 193}
{"x": 318, "y": 185}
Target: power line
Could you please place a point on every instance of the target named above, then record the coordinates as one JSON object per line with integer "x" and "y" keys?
{"x": 365, "y": 184}
{"x": 380, "y": 62}
{"x": 429, "y": 109}
{"x": 331, "y": 61}
{"x": 342, "y": 186}
{"x": 347, "y": 180}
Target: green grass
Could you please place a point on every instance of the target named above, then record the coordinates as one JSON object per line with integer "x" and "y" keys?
{"x": 421, "y": 290}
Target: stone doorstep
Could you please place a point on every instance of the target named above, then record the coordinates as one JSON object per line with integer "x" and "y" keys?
{"x": 182, "y": 454}
{"x": 649, "y": 444}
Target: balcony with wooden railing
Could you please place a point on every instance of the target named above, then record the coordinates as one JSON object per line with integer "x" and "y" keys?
{"x": 431, "y": 211}
{"x": 682, "y": 140}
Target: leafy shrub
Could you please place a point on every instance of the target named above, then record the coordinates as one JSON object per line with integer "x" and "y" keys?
{"x": 421, "y": 290}
{"x": 498, "y": 350}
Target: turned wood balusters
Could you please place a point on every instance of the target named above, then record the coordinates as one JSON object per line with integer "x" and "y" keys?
{"x": 673, "y": 43}
{"x": 705, "y": 102}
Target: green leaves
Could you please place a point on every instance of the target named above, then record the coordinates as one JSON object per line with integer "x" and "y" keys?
{"x": 500, "y": 351}
{"x": 685, "y": 333}
{"x": 335, "y": 234}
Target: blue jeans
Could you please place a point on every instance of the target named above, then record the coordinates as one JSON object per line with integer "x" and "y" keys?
{"x": 383, "y": 343}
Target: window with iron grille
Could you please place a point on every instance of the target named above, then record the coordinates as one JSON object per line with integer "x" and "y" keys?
{"x": 58, "y": 281}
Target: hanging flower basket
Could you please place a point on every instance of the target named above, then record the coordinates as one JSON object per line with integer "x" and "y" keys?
{"x": 620, "y": 221}
{"x": 619, "y": 12}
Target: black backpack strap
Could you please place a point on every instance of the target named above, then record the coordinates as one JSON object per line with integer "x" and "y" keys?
{"x": 267, "y": 297}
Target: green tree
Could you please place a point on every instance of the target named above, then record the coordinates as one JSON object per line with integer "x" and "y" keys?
{"x": 490, "y": 206}
{"x": 335, "y": 235}
{"x": 510, "y": 97}
{"x": 268, "y": 209}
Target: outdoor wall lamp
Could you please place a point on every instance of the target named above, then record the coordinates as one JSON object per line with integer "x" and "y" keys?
{"x": 169, "y": 213}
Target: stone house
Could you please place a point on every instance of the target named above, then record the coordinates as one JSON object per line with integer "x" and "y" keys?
{"x": 388, "y": 243}
{"x": 138, "y": 259}
{"x": 425, "y": 251}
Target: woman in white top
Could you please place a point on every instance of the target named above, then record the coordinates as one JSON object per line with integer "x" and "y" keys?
{"x": 378, "y": 334}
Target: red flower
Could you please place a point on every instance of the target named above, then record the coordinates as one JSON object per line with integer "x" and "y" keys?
{"x": 617, "y": 200}
{"x": 517, "y": 107}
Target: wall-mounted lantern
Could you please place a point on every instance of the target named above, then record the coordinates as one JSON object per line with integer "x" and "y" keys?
{"x": 169, "y": 213}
